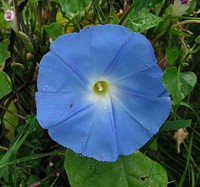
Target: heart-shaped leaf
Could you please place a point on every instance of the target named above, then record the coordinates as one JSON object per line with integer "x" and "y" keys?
{"x": 133, "y": 170}
{"x": 73, "y": 7}
{"x": 143, "y": 20}
{"x": 54, "y": 30}
{"x": 179, "y": 84}
{"x": 172, "y": 54}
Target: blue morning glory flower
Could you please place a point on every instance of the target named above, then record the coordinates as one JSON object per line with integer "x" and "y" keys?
{"x": 100, "y": 92}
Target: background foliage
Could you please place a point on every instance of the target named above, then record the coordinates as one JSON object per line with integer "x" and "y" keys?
{"x": 28, "y": 157}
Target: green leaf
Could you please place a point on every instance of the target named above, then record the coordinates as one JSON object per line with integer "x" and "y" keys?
{"x": 143, "y": 20}
{"x": 179, "y": 33}
{"x": 154, "y": 145}
{"x": 4, "y": 53}
{"x": 197, "y": 39}
{"x": 26, "y": 41}
{"x": 174, "y": 125}
{"x": 6, "y": 84}
{"x": 5, "y": 4}
{"x": 54, "y": 30}
{"x": 10, "y": 121}
{"x": 139, "y": 4}
{"x": 11, "y": 153}
{"x": 73, "y": 7}
{"x": 31, "y": 157}
{"x": 133, "y": 170}
{"x": 179, "y": 84}
{"x": 8, "y": 161}
{"x": 191, "y": 108}
{"x": 193, "y": 5}
{"x": 172, "y": 54}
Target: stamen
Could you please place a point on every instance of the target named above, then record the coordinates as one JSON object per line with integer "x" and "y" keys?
{"x": 100, "y": 87}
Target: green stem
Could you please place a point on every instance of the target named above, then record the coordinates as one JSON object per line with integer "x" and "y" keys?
{"x": 110, "y": 5}
{"x": 181, "y": 183}
{"x": 101, "y": 13}
{"x": 191, "y": 51}
{"x": 76, "y": 23}
{"x": 182, "y": 17}
{"x": 3, "y": 148}
{"x": 17, "y": 15}
{"x": 164, "y": 7}
{"x": 98, "y": 12}
{"x": 186, "y": 22}
{"x": 39, "y": 15}
{"x": 123, "y": 18}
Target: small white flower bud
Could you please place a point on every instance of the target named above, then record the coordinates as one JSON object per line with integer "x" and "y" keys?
{"x": 9, "y": 15}
{"x": 51, "y": 164}
{"x": 179, "y": 7}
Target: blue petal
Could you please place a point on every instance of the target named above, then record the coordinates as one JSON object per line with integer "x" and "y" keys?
{"x": 131, "y": 135}
{"x": 54, "y": 108}
{"x": 138, "y": 119}
{"x": 107, "y": 42}
{"x": 136, "y": 55}
{"x": 55, "y": 76}
{"x": 91, "y": 50}
{"x": 147, "y": 82}
{"x": 90, "y": 132}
